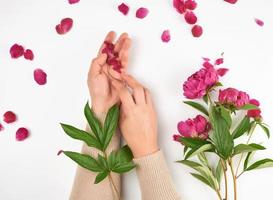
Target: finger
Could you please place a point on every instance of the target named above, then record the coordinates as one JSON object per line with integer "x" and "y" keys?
{"x": 120, "y": 42}
{"x": 113, "y": 74}
{"x": 138, "y": 90}
{"x": 148, "y": 96}
{"x": 124, "y": 94}
{"x": 97, "y": 63}
{"x": 124, "y": 53}
{"x": 110, "y": 37}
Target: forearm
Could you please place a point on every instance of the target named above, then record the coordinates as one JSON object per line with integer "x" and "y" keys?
{"x": 84, "y": 187}
{"x": 154, "y": 178}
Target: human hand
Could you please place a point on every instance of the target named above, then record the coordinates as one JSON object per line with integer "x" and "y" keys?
{"x": 138, "y": 122}
{"x": 103, "y": 95}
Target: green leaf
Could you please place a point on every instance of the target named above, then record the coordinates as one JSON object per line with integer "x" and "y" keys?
{"x": 242, "y": 128}
{"x": 206, "y": 99}
{"x": 202, "y": 179}
{"x": 193, "y": 142}
{"x": 218, "y": 84}
{"x": 265, "y": 129}
{"x": 203, "y": 159}
{"x": 124, "y": 154}
{"x": 219, "y": 172}
{"x": 84, "y": 161}
{"x": 196, "y": 151}
{"x": 221, "y": 136}
{"x": 102, "y": 162}
{"x": 93, "y": 122}
{"x": 123, "y": 167}
{"x": 226, "y": 115}
{"x": 78, "y": 134}
{"x": 197, "y": 106}
{"x": 112, "y": 160}
{"x": 110, "y": 125}
{"x": 247, "y": 159}
{"x": 249, "y": 107}
{"x": 260, "y": 164}
{"x": 245, "y": 148}
{"x": 101, "y": 176}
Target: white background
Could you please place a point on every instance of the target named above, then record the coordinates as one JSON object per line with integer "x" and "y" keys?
{"x": 30, "y": 170}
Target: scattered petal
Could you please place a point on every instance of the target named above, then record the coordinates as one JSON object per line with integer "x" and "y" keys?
{"x": 190, "y": 4}
{"x": 190, "y": 18}
{"x": 231, "y": 1}
{"x": 73, "y": 1}
{"x": 9, "y": 117}
{"x": 59, "y": 152}
{"x": 40, "y": 76}
{"x": 28, "y": 54}
{"x": 16, "y": 51}
{"x": 65, "y": 26}
{"x": 222, "y": 71}
{"x": 21, "y": 134}
{"x": 219, "y": 61}
{"x": 166, "y": 37}
{"x": 179, "y": 6}
{"x": 123, "y": 8}
{"x": 1, "y": 127}
{"x": 259, "y": 22}
{"x": 142, "y": 13}
{"x": 197, "y": 31}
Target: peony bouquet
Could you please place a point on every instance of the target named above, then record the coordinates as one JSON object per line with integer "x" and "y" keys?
{"x": 227, "y": 117}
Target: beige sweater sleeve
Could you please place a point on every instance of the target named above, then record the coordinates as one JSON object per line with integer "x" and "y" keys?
{"x": 154, "y": 178}
{"x": 84, "y": 187}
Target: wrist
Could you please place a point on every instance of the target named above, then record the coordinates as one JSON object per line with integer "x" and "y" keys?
{"x": 145, "y": 151}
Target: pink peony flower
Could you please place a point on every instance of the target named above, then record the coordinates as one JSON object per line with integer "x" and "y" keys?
{"x": 65, "y": 26}
{"x": 197, "y": 31}
{"x": 112, "y": 56}
{"x": 40, "y": 76}
{"x": 28, "y": 54}
{"x": 9, "y": 117}
{"x": 73, "y": 1}
{"x": 21, "y": 134}
{"x": 231, "y": 1}
{"x": 123, "y": 8}
{"x": 190, "y": 17}
{"x": 166, "y": 37}
{"x": 198, "y": 84}
{"x": 259, "y": 22}
{"x": 233, "y": 97}
{"x": 254, "y": 113}
{"x": 193, "y": 128}
{"x": 16, "y": 51}
{"x": 142, "y": 13}
{"x": 1, "y": 127}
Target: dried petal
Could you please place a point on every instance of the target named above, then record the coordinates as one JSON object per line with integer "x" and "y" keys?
{"x": 9, "y": 117}
{"x": 197, "y": 31}
{"x": 166, "y": 37}
{"x": 259, "y": 22}
{"x": 65, "y": 26}
{"x": 142, "y": 13}
{"x": 40, "y": 76}
{"x": 231, "y": 1}
{"x": 28, "y": 54}
{"x": 16, "y": 51}
{"x": 190, "y": 4}
{"x": 190, "y": 18}
{"x": 59, "y": 152}
{"x": 123, "y": 8}
{"x": 21, "y": 134}
{"x": 73, "y": 1}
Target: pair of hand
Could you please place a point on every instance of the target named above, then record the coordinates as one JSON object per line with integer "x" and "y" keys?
{"x": 138, "y": 123}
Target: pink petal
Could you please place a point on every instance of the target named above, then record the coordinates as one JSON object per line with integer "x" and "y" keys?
{"x": 197, "y": 31}
{"x": 259, "y": 22}
{"x": 9, "y": 117}
{"x": 166, "y": 37}
{"x": 65, "y": 26}
{"x": 123, "y": 8}
{"x": 190, "y": 17}
{"x": 73, "y": 1}
{"x": 40, "y": 76}
{"x": 179, "y": 5}
{"x": 28, "y": 54}
{"x": 142, "y": 13}
{"x": 219, "y": 61}
{"x": 222, "y": 71}
{"x": 21, "y": 134}
{"x": 190, "y": 4}
{"x": 1, "y": 127}
{"x": 59, "y": 152}
{"x": 231, "y": 1}
{"x": 16, "y": 51}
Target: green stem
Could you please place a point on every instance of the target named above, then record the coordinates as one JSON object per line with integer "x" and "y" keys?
{"x": 226, "y": 181}
{"x": 219, "y": 194}
{"x": 242, "y": 155}
{"x": 234, "y": 178}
